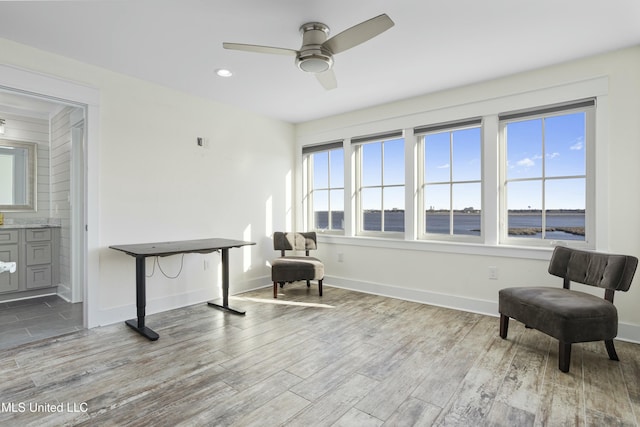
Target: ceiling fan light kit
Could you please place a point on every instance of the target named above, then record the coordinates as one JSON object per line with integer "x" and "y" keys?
{"x": 316, "y": 54}
{"x": 312, "y": 56}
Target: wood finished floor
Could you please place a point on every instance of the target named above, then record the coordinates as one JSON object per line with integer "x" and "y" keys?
{"x": 346, "y": 359}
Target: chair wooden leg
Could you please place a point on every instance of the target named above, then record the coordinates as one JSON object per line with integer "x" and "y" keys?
{"x": 611, "y": 350}
{"x": 504, "y": 326}
{"x": 308, "y": 283}
{"x": 275, "y": 289}
{"x": 564, "y": 356}
{"x": 320, "y": 287}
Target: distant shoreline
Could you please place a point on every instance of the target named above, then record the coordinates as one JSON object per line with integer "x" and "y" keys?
{"x": 517, "y": 212}
{"x": 531, "y": 231}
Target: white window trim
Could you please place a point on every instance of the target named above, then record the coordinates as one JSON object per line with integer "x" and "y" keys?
{"x": 359, "y": 214}
{"x": 420, "y": 219}
{"x": 307, "y": 183}
{"x": 590, "y": 194}
{"x": 489, "y": 109}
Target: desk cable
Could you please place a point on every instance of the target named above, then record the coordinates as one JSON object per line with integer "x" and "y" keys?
{"x": 156, "y": 260}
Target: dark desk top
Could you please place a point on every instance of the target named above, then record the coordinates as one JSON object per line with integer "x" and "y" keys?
{"x": 202, "y": 246}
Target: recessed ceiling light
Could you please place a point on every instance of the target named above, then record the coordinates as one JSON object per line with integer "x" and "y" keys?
{"x": 223, "y": 72}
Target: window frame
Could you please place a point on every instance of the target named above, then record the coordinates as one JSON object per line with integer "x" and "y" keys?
{"x": 489, "y": 108}
{"x": 421, "y": 133}
{"x": 358, "y": 143}
{"x": 308, "y": 181}
{"x": 588, "y": 107}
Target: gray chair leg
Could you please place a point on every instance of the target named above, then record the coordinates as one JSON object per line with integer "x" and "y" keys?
{"x": 564, "y": 356}
{"x": 275, "y": 289}
{"x": 320, "y": 286}
{"x": 611, "y": 350}
{"x": 504, "y": 326}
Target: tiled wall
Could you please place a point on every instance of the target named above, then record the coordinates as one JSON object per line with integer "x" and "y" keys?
{"x": 60, "y": 172}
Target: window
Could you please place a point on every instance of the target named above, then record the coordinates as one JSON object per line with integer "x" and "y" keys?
{"x": 380, "y": 183}
{"x": 519, "y": 178}
{"x": 545, "y": 193}
{"x": 325, "y": 186}
{"x": 450, "y": 180}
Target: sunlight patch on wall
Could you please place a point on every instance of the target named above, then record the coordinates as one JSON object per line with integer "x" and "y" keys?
{"x": 288, "y": 201}
{"x": 268, "y": 217}
{"x": 246, "y": 250}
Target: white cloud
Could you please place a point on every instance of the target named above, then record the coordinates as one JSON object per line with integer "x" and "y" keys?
{"x": 445, "y": 166}
{"x": 553, "y": 155}
{"x": 527, "y": 162}
{"x": 577, "y": 146}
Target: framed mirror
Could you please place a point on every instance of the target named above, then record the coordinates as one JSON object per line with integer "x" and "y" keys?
{"x": 17, "y": 176}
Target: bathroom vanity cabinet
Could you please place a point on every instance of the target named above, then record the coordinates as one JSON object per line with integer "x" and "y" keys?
{"x": 36, "y": 252}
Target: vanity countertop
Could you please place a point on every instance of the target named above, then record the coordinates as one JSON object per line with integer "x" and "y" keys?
{"x": 13, "y": 226}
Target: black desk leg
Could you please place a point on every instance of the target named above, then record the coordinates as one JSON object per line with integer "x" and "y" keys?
{"x": 225, "y": 286}
{"x": 141, "y": 302}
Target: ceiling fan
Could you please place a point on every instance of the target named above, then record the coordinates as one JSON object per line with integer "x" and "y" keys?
{"x": 316, "y": 54}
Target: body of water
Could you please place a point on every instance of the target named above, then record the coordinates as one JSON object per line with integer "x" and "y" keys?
{"x": 468, "y": 224}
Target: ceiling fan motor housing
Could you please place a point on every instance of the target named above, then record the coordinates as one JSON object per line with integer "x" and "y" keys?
{"x": 312, "y": 57}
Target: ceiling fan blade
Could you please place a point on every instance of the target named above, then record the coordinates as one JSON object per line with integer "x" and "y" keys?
{"x": 260, "y": 49}
{"x": 327, "y": 79}
{"x": 358, "y": 34}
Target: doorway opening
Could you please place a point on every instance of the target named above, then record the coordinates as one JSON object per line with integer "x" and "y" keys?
{"x": 32, "y": 311}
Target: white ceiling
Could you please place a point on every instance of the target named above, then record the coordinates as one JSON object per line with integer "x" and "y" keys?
{"x": 435, "y": 44}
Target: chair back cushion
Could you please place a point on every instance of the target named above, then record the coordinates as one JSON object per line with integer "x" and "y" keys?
{"x": 607, "y": 271}
{"x": 294, "y": 241}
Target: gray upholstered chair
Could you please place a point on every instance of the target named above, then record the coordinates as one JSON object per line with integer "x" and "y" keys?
{"x": 292, "y": 268}
{"x": 571, "y": 316}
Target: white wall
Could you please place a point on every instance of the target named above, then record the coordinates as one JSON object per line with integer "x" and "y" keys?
{"x": 155, "y": 184}
{"x": 457, "y": 275}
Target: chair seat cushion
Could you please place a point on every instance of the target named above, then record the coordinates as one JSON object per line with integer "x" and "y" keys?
{"x": 568, "y": 315}
{"x": 293, "y": 268}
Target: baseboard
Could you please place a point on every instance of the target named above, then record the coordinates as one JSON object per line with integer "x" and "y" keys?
{"x": 33, "y": 293}
{"x": 121, "y": 313}
{"x": 489, "y": 308}
{"x": 64, "y": 292}
{"x": 626, "y": 332}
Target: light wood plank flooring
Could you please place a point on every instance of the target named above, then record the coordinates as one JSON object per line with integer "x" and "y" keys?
{"x": 346, "y": 359}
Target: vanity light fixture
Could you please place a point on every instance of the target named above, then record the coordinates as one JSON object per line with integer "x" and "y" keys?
{"x": 223, "y": 72}
{"x": 2, "y": 126}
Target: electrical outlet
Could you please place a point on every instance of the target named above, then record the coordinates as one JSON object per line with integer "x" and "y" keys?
{"x": 340, "y": 257}
{"x": 493, "y": 273}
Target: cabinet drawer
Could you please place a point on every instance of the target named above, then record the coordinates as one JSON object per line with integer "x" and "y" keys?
{"x": 9, "y": 281}
{"x": 8, "y": 236}
{"x": 38, "y": 277}
{"x": 38, "y": 234}
{"x": 38, "y": 253}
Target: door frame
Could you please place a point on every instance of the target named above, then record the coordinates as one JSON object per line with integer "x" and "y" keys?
{"x": 55, "y": 89}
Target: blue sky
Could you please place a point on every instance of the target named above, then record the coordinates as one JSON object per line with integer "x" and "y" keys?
{"x": 563, "y": 155}
{"x": 453, "y": 157}
{"x": 372, "y": 159}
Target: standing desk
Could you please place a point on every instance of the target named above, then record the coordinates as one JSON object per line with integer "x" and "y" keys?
{"x": 143, "y": 250}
